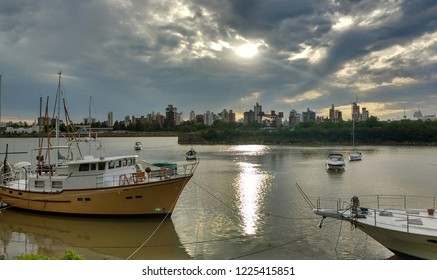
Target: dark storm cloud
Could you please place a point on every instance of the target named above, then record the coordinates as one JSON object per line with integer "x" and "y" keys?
{"x": 135, "y": 57}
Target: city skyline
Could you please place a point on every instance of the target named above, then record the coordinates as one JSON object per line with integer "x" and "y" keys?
{"x": 135, "y": 57}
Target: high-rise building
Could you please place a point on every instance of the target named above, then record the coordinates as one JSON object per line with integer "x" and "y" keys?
{"x": 364, "y": 114}
{"x": 332, "y": 113}
{"x": 209, "y": 118}
{"x": 110, "y": 119}
{"x": 179, "y": 118}
{"x": 355, "y": 111}
{"x": 171, "y": 115}
{"x": 231, "y": 116}
{"x": 338, "y": 115}
{"x": 192, "y": 116}
{"x": 127, "y": 120}
{"x": 249, "y": 117}
{"x": 224, "y": 115}
{"x": 257, "y": 109}
{"x": 308, "y": 115}
{"x": 293, "y": 118}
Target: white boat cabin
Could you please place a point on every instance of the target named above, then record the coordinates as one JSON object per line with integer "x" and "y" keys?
{"x": 89, "y": 172}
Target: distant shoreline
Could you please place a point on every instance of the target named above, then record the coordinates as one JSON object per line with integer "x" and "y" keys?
{"x": 197, "y": 139}
{"x": 105, "y": 134}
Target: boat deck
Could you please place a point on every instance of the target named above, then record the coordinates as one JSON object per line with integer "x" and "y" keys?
{"x": 403, "y": 214}
{"x": 416, "y": 221}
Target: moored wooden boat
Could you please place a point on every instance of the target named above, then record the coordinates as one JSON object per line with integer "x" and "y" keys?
{"x": 64, "y": 180}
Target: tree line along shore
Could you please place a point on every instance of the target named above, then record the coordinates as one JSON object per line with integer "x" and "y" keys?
{"x": 369, "y": 132}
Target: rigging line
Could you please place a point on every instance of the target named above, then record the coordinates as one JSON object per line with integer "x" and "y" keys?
{"x": 221, "y": 193}
{"x": 218, "y": 199}
{"x": 150, "y": 237}
{"x": 267, "y": 213}
{"x": 307, "y": 199}
{"x": 198, "y": 218}
{"x": 291, "y": 218}
{"x": 153, "y": 233}
{"x": 338, "y": 239}
{"x": 277, "y": 246}
{"x": 365, "y": 247}
{"x": 156, "y": 229}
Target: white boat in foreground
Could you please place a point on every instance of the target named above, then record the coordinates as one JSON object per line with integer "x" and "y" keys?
{"x": 409, "y": 230}
{"x": 335, "y": 162}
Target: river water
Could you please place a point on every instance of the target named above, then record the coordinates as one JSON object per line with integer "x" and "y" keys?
{"x": 242, "y": 203}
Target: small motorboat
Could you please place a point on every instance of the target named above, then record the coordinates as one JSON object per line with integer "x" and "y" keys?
{"x": 191, "y": 154}
{"x": 138, "y": 146}
{"x": 335, "y": 162}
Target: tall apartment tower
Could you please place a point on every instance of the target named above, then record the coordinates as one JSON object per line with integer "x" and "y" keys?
{"x": 332, "y": 113}
{"x": 231, "y": 116}
{"x": 258, "y": 112}
{"x": 192, "y": 116}
{"x": 171, "y": 115}
{"x": 355, "y": 111}
{"x": 111, "y": 118}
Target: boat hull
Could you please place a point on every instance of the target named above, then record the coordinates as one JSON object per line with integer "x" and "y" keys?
{"x": 409, "y": 245}
{"x": 334, "y": 167}
{"x": 398, "y": 239}
{"x": 355, "y": 156}
{"x": 151, "y": 198}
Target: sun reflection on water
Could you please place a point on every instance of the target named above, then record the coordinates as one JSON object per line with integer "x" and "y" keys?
{"x": 250, "y": 190}
{"x": 249, "y": 149}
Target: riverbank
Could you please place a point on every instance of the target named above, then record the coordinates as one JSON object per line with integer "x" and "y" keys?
{"x": 241, "y": 138}
{"x": 104, "y": 134}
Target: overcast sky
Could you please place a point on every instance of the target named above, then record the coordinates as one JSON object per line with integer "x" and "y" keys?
{"x": 136, "y": 57}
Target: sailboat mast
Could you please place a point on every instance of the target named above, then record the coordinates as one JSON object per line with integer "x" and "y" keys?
{"x": 1, "y": 98}
{"x": 58, "y": 98}
{"x": 353, "y": 133}
{"x": 89, "y": 109}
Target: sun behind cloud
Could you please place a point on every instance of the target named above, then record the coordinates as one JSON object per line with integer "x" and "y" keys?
{"x": 247, "y": 50}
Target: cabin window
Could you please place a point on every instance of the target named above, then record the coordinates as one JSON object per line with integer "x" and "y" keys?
{"x": 102, "y": 165}
{"x": 39, "y": 184}
{"x": 118, "y": 163}
{"x": 57, "y": 184}
{"x": 84, "y": 167}
{"x": 93, "y": 166}
{"x": 129, "y": 161}
{"x": 111, "y": 165}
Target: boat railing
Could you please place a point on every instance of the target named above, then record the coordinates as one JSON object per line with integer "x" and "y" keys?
{"x": 409, "y": 211}
{"x": 405, "y": 220}
{"x": 165, "y": 172}
{"x": 380, "y": 202}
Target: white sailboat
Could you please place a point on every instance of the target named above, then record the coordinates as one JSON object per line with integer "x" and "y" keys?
{"x": 354, "y": 155}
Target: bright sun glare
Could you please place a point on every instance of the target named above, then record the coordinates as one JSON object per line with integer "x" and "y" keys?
{"x": 247, "y": 50}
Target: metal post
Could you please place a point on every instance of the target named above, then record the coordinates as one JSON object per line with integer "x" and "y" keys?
{"x": 374, "y": 212}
